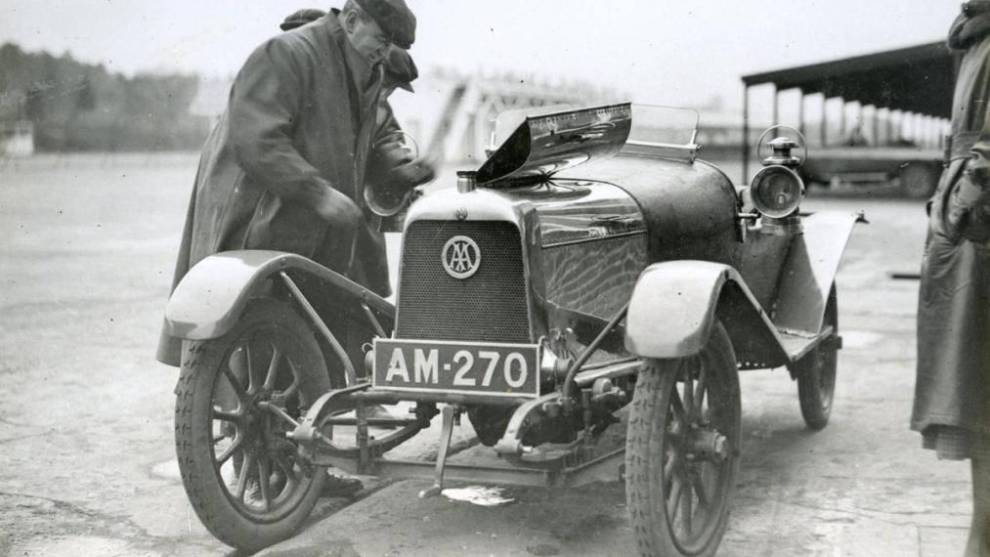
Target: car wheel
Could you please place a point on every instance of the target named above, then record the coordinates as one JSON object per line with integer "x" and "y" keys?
{"x": 816, "y": 372}
{"x": 243, "y": 477}
{"x": 918, "y": 181}
{"x": 682, "y": 450}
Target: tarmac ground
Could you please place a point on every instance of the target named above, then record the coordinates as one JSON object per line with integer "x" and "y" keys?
{"x": 87, "y": 464}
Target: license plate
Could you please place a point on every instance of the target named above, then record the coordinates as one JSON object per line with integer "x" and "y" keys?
{"x": 488, "y": 368}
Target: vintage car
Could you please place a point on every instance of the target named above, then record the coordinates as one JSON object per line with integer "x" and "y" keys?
{"x": 543, "y": 303}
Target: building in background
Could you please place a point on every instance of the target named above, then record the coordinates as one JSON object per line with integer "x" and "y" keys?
{"x": 16, "y": 139}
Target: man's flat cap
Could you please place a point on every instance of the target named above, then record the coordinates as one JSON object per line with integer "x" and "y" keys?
{"x": 301, "y": 17}
{"x": 400, "y": 69}
{"x": 395, "y": 19}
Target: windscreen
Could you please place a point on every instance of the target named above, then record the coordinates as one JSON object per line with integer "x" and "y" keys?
{"x": 663, "y": 125}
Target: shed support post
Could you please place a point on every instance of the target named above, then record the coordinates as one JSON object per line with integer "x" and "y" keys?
{"x": 776, "y": 107}
{"x": 842, "y": 119}
{"x": 801, "y": 111}
{"x": 876, "y": 125}
{"x": 745, "y": 134}
{"x": 823, "y": 129}
{"x": 890, "y": 127}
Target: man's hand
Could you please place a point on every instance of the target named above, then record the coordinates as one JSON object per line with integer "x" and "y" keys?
{"x": 417, "y": 172}
{"x": 338, "y": 209}
{"x": 968, "y": 210}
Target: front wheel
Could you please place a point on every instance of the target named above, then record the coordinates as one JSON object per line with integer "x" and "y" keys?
{"x": 242, "y": 475}
{"x": 682, "y": 450}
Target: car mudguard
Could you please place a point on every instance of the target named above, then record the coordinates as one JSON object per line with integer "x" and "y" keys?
{"x": 212, "y": 295}
{"x": 809, "y": 270}
{"x": 674, "y": 306}
{"x": 675, "y": 303}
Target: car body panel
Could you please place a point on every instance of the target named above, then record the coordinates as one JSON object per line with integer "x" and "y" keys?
{"x": 689, "y": 208}
{"x": 214, "y": 293}
{"x": 564, "y": 224}
{"x": 809, "y": 271}
{"x": 675, "y": 304}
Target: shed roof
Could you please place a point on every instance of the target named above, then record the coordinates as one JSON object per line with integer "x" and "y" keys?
{"x": 913, "y": 79}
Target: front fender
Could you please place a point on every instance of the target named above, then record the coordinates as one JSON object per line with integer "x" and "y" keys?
{"x": 674, "y": 306}
{"x": 809, "y": 271}
{"x": 212, "y": 295}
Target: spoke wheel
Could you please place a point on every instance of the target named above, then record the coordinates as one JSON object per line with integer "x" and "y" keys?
{"x": 816, "y": 372}
{"x": 682, "y": 450}
{"x": 243, "y": 476}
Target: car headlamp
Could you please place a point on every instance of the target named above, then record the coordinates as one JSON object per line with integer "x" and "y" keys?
{"x": 776, "y": 191}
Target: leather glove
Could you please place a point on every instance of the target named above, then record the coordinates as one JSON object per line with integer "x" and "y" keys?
{"x": 338, "y": 209}
{"x": 414, "y": 173}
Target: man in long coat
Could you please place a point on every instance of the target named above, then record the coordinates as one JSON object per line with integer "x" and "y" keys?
{"x": 952, "y": 392}
{"x": 285, "y": 166}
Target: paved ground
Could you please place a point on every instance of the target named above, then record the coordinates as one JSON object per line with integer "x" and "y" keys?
{"x": 86, "y": 458}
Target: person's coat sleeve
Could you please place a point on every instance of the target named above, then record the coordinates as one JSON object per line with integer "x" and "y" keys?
{"x": 264, "y": 102}
{"x": 979, "y": 159}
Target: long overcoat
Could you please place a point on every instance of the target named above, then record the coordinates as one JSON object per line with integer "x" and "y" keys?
{"x": 299, "y": 120}
{"x": 953, "y": 374}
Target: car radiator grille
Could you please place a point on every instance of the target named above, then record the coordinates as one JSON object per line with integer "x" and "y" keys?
{"x": 489, "y": 306}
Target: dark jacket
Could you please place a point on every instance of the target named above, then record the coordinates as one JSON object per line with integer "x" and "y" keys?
{"x": 300, "y": 119}
{"x": 953, "y": 375}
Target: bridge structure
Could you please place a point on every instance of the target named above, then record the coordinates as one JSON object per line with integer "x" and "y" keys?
{"x": 452, "y": 114}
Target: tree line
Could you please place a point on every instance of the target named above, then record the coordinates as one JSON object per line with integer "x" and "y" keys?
{"x": 82, "y": 107}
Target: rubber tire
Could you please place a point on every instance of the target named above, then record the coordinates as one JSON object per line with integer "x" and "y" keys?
{"x": 918, "y": 181}
{"x": 816, "y": 406}
{"x": 193, "y": 440}
{"x": 647, "y": 426}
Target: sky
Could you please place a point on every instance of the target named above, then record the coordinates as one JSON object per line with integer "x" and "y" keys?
{"x": 659, "y": 51}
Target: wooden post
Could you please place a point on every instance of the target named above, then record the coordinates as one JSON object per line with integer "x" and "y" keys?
{"x": 876, "y": 125}
{"x": 823, "y": 130}
{"x": 801, "y": 112}
{"x": 745, "y": 134}
{"x": 776, "y": 106}
{"x": 842, "y": 119}
{"x": 889, "y": 117}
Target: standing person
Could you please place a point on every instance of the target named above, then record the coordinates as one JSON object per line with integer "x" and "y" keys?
{"x": 392, "y": 173}
{"x": 390, "y": 176}
{"x": 284, "y": 167}
{"x": 952, "y": 392}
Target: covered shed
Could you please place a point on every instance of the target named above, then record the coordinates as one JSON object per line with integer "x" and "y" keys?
{"x": 913, "y": 82}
